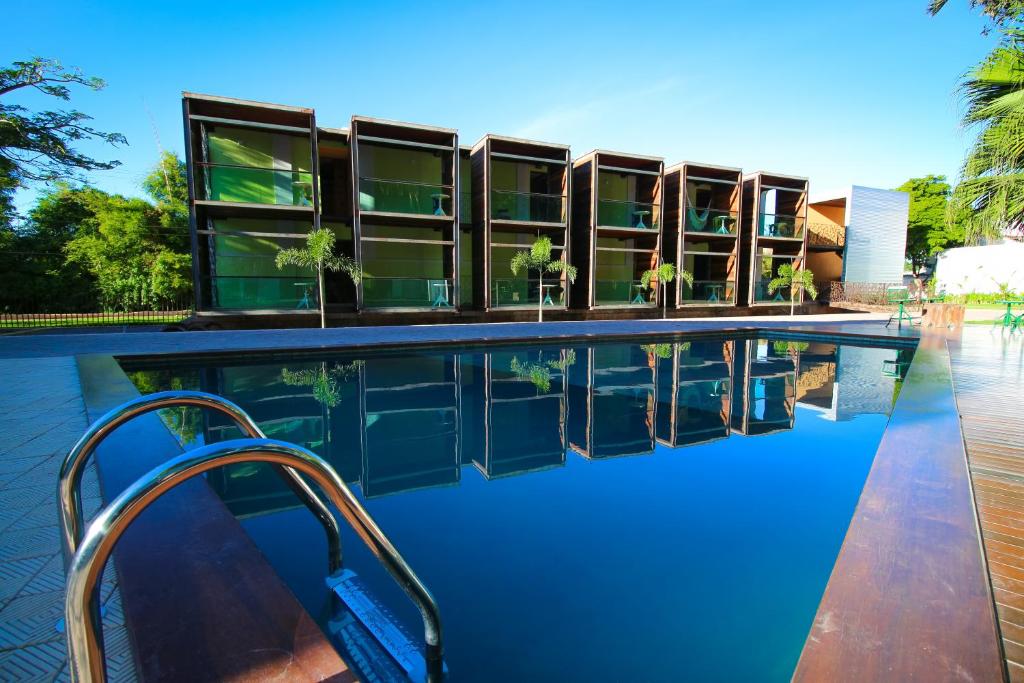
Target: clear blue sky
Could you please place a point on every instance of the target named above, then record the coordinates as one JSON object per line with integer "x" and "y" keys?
{"x": 853, "y": 92}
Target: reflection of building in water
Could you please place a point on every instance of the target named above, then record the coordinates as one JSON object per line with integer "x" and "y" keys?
{"x": 611, "y": 401}
{"x": 764, "y": 373}
{"x": 865, "y": 382}
{"x": 815, "y": 387}
{"x": 520, "y": 398}
{"x": 309, "y": 403}
{"x": 694, "y": 392}
{"x": 410, "y": 419}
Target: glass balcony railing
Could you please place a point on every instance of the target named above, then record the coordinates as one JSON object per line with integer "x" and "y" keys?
{"x": 711, "y": 221}
{"x": 777, "y": 225}
{"x": 403, "y": 196}
{"x": 708, "y": 292}
{"x": 527, "y": 206}
{"x": 519, "y": 292}
{"x": 262, "y": 292}
{"x": 250, "y": 185}
{"x": 619, "y": 214}
{"x": 408, "y": 292}
{"x": 762, "y": 295}
{"x": 622, "y": 293}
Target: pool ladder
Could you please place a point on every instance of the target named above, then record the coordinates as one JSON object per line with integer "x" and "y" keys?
{"x": 86, "y": 553}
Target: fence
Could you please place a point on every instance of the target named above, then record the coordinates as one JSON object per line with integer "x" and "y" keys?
{"x": 165, "y": 315}
{"x": 870, "y": 293}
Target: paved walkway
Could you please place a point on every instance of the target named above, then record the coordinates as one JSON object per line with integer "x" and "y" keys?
{"x": 41, "y": 416}
{"x": 36, "y": 346}
{"x": 988, "y": 376}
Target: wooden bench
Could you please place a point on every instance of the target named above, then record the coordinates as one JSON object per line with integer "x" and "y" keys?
{"x": 943, "y": 315}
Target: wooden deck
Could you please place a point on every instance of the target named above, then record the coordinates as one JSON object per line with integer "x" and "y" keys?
{"x": 988, "y": 376}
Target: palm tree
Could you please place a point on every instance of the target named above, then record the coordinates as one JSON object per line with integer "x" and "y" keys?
{"x": 319, "y": 255}
{"x": 539, "y": 258}
{"x": 793, "y": 278}
{"x": 664, "y": 274}
{"x": 989, "y": 200}
{"x": 990, "y": 197}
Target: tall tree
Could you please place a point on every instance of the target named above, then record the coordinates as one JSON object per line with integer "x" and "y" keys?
{"x": 989, "y": 201}
{"x": 930, "y": 227}
{"x": 40, "y": 146}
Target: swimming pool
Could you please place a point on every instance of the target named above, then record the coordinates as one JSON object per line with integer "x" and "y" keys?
{"x": 629, "y": 511}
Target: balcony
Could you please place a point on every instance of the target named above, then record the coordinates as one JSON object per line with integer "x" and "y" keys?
{"x": 617, "y": 213}
{"x": 711, "y": 222}
{"x": 256, "y": 185}
{"x": 622, "y": 293}
{"x": 408, "y": 292}
{"x": 708, "y": 292}
{"x": 529, "y": 207}
{"x": 763, "y": 296}
{"x": 780, "y": 226}
{"x": 510, "y": 292}
{"x": 827, "y": 235}
{"x": 255, "y": 292}
{"x": 381, "y": 195}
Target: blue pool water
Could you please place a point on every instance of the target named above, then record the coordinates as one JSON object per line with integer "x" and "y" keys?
{"x": 611, "y": 511}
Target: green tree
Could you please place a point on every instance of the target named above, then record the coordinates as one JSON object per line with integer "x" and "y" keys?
{"x": 538, "y": 258}
{"x": 794, "y": 278}
{"x": 663, "y": 275}
{"x": 929, "y": 229}
{"x": 41, "y": 146}
{"x": 167, "y": 184}
{"x": 990, "y": 196}
{"x": 318, "y": 255}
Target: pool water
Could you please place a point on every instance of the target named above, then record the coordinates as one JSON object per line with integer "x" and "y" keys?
{"x": 656, "y": 511}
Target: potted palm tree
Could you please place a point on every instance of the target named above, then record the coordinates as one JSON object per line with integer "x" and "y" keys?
{"x": 663, "y": 275}
{"x": 793, "y": 278}
{"x": 538, "y": 258}
{"x": 318, "y": 255}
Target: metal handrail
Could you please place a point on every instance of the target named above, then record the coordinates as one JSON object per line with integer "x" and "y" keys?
{"x": 84, "y": 625}
{"x": 69, "y": 487}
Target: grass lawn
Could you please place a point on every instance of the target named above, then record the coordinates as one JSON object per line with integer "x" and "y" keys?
{"x": 12, "y": 322}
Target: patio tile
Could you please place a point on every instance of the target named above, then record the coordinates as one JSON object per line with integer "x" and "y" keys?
{"x": 15, "y": 575}
{"x": 20, "y": 545}
{"x": 31, "y": 619}
{"x": 42, "y": 662}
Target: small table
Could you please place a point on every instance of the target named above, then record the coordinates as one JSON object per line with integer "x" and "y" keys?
{"x": 723, "y": 224}
{"x": 1009, "y": 319}
{"x": 439, "y": 198}
{"x": 640, "y": 218}
{"x": 548, "y": 301}
{"x": 441, "y": 298}
{"x": 306, "y": 289}
{"x": 715, "y": 291}
{"x": 639, "y": 298}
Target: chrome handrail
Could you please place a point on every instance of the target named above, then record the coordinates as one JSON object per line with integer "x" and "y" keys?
{"x": 84, "y": 625}
{"x": 69, "y": 486}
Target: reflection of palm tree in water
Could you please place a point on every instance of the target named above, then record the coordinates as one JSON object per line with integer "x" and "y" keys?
{"x": 539, "y": 373}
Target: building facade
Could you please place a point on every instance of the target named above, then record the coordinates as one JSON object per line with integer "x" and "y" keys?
{"x": 433, "y": 225}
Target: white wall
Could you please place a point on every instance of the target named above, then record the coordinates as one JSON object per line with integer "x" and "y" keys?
{"x": 876, "y": 235}
{"x": 967, "y": 270}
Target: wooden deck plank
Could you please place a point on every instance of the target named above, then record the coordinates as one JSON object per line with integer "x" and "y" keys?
{"x": 909, "y": 597}
{"x": 989, "y": 387}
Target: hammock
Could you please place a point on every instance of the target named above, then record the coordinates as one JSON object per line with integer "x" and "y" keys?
{"x": 699, "y": 221}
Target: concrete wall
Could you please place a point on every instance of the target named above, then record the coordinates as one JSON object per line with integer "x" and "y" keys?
{"x": 876, "y": 235}
{"x": 979, "y": 270}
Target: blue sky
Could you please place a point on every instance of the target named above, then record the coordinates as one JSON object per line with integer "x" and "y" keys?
{"x": 855, "y": 92}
